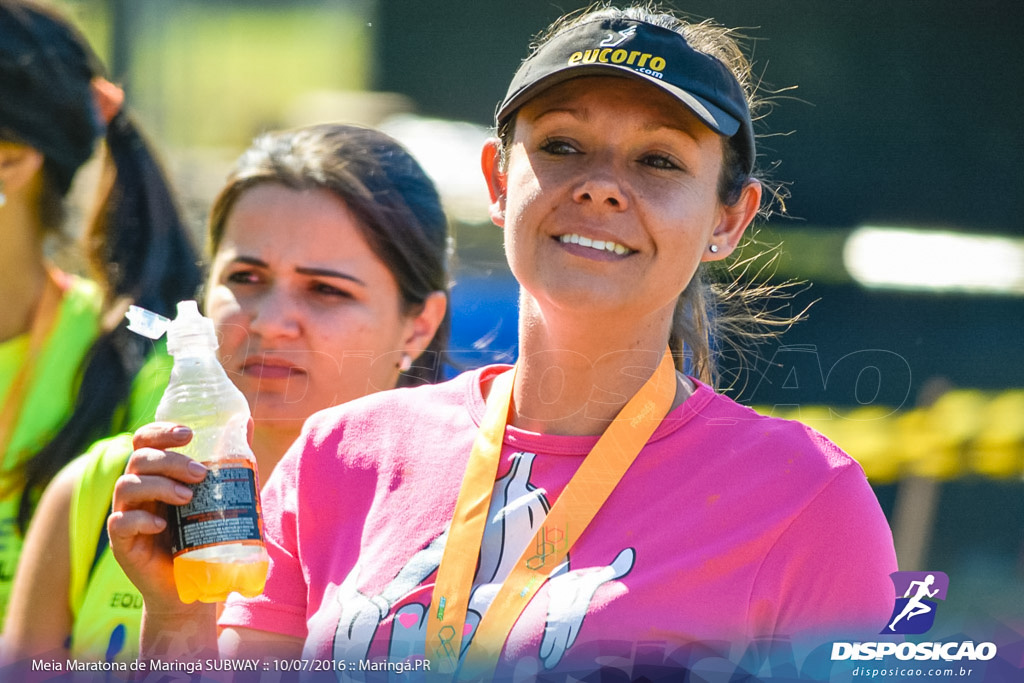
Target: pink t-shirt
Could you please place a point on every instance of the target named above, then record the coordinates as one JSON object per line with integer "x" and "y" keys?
{"x": 730, "y": 526}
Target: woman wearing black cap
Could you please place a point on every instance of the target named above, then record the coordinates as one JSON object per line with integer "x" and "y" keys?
{"x": 54, "y": 343}
{"x": 591, "y": 507}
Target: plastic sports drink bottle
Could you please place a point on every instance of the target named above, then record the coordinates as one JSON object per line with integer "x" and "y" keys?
{"x": 217, "y": 538}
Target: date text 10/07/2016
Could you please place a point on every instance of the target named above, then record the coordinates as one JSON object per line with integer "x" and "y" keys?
{"x": 403, "y": 666}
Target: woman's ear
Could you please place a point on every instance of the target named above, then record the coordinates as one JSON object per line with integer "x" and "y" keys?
{"x": 423, "y": 326}
{"x": 490, "y": 162}
{"x": 733, "y": 222}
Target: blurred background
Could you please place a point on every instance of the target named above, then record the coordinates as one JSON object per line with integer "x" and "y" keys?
{"x": 893, "y": 127}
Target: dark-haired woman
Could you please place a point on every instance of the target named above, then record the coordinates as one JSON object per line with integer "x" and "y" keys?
{"x": 328, "y": 282}
{"x": 69, "y": 371}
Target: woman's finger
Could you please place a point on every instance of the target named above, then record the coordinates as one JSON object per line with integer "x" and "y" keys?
{"x": 138, "y": 492}
{"x": 152, "y": 461}
{"x": 127, "y": 524}
{"x": 161, "y": 435}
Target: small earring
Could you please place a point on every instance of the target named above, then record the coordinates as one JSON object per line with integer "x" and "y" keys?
{"x": 405, "y": 364}
{"x": 3, "y": 197}
{"x": 713, "y": 248}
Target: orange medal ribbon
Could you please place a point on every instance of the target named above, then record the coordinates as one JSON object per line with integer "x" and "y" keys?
{"x": 42, "y": 324}
{"x": 579, "y": 501}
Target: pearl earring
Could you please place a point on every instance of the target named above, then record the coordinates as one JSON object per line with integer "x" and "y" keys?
{"x": 406, "y": 363}
{"x": 3, "y": 197}
{"x": 713, "y": 248}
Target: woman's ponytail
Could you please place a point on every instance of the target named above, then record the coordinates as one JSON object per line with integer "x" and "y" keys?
{"x": 140, "y": 249}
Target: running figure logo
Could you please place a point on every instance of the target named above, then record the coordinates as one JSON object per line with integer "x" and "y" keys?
{"x": 613, "y": 40}
{"x": 914, "y": 613}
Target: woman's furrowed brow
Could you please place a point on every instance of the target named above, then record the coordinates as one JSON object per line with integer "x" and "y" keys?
{"x": 327, "y": 272}
{"x": 309, "y": 271}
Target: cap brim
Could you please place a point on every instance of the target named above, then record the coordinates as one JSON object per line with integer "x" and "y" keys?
{"x": 713, "y": 117}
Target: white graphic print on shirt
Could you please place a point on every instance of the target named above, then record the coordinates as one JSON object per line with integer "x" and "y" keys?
{"x": 517, "y": 509}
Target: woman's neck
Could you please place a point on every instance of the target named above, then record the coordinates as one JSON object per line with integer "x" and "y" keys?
{"x": 22, "y": 272}
{"x": 575, "y": 378}
{"x": 270, "y": 444}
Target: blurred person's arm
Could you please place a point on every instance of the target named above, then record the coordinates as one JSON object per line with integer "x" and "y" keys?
{"x": 39, "y": 614}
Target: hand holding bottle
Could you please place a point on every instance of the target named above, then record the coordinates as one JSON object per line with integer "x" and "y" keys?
{"x": 154, "y": 478}
{"x": 215, "y": 533}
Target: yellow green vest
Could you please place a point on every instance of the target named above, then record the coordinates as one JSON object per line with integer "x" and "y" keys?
{"x": 50, "y": 399}
{"x": 106, "y": 608}
{"x": 104, "y": 605}
{"x": 47, "y": 404}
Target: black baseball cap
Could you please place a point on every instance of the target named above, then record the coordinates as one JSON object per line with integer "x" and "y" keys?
{"x": 626, "y": 47}
{"x": 46, "y": 102}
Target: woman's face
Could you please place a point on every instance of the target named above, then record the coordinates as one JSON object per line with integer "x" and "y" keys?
{"x": 307, "y": 315}
{"x": 610, "y": 199}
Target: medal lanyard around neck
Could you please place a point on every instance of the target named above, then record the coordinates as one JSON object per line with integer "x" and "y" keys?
{"x": 579, "y": 501}
{"x": 42, "y": 324}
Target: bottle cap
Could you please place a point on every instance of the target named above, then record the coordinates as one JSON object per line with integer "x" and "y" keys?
{"x": 189, "y": 329}
{"x": 147, "y": 323}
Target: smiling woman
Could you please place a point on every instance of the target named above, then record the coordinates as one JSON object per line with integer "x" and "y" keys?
{"x": 605, "y": 161}
{"x": 328, "y": 282}
{"x": 591, "y": 507}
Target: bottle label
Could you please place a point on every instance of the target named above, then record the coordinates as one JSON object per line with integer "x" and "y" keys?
{"x": 225, "y": 508}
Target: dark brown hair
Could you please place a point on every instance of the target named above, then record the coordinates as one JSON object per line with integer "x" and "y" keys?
{"x": 399, "y": 209}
